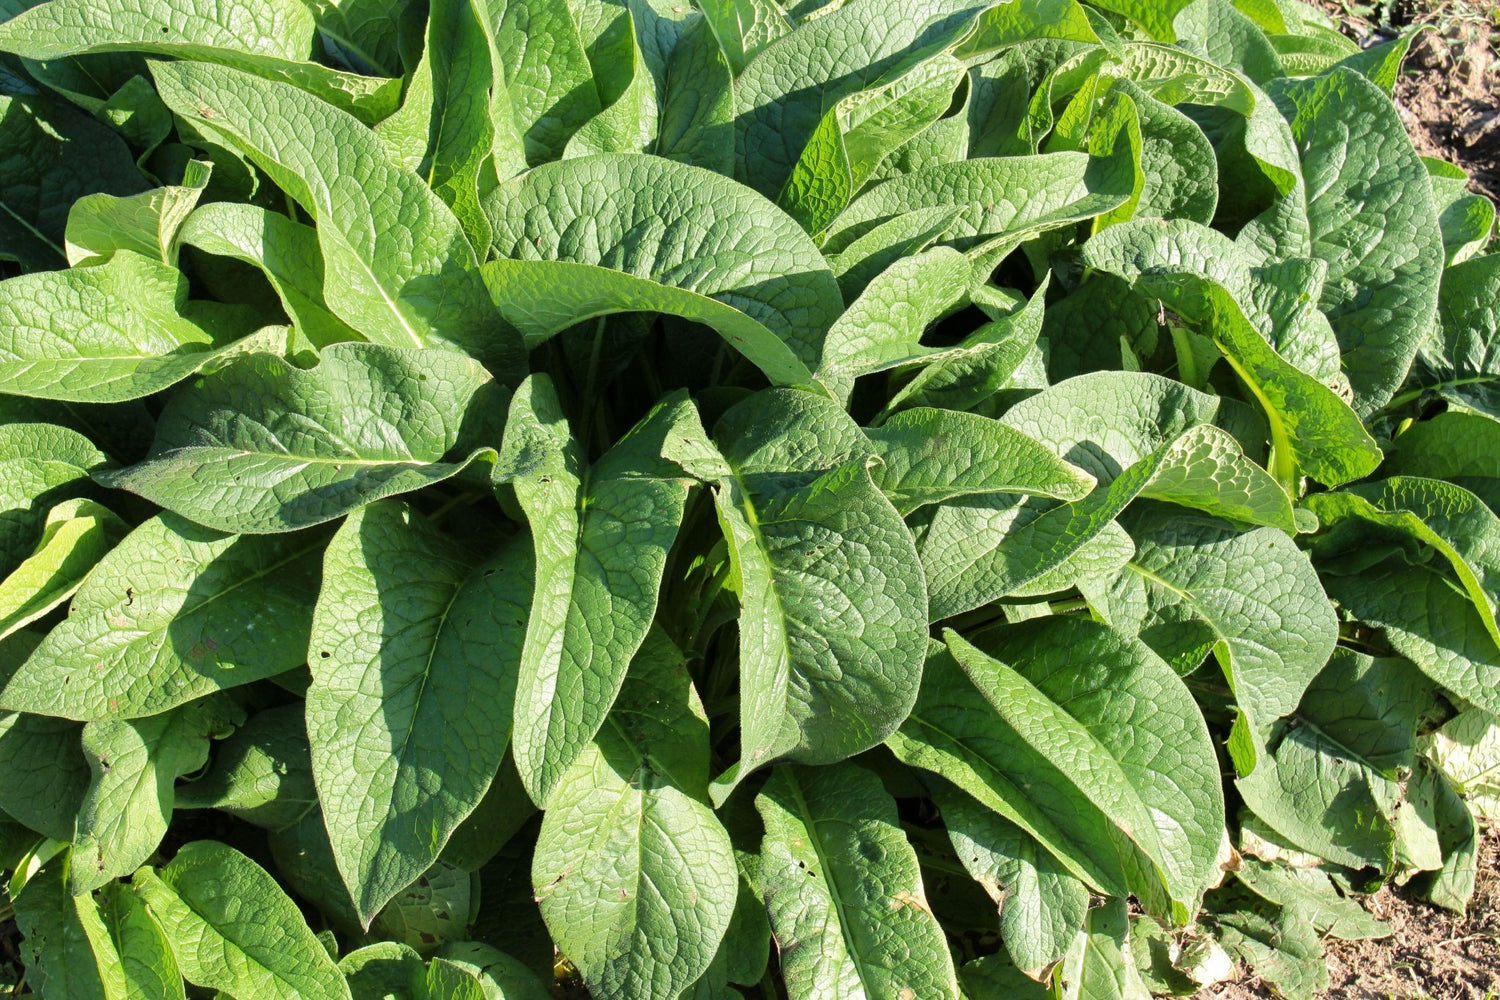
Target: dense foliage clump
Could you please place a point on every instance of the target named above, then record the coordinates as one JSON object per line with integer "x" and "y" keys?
{"x": 844, "y": 500}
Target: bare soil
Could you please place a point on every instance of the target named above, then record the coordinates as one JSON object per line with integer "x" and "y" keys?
{"x": 1431, "y": 954}
{"x": 1449, "y": 90}
{"x": 1452, "y": 108}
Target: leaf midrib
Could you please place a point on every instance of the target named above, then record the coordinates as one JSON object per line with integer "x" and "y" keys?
{"x": 834, "y": 893}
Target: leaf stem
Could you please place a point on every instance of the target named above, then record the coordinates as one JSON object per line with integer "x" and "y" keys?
{"x": 1187, "y": 365}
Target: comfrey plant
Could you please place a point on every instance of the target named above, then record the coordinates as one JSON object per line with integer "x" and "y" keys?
{"x": 866, "y": 500}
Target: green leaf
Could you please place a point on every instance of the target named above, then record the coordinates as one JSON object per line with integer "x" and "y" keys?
{"x": 1110, "y": 685}
{"x": 627, "y": 123}
{"x": 1179, "y": 172}
{"x": 262, "y": 773}
{"x": 43, "y": 773}
{"x": 173, "y": 613}
{"x": 992, "y": 733}
{"x": 1098, "y": 966}
{"x": 60, "y": 959}
{"x": 384, "y": 970}
{"x": 995, "y": 977}
{"x": 724, "y": 242}
{"x": 421, "y": 636}
{"x": 697, "y": 109}
{"x": 75, "y": 536}
{"x": 1195, "y": 272}
{"x": 1041, "y": 905}
{"x": 782, "y": 94}
{"x": 888, "y": 243}
{"x": 601, "y": 536}
{"x": 1463, "y": 448}
{"x": 1219, "y": 30}
{"x": 133, "y": 943}
{"x": 1429, "y": 512}
{"x": 1155, "y": 17}
{"x": 1136, "y": 414}
{"x": 883, "y": 327}
{"x": 29, "y": 487}
{"x": 435, "y": 908}
{"x": 856, "y": 135}
{"x": 362, "y": 34}
{"x": 1334, "y": 783}
{"x": 1452, "y": 885}
{"x": 129, "y": 804}
{"x": 1462, "y": 361}
{"x": 1278, "y": 944}
{"x": 406, "y": 284}
{"x": 233, "y": 929}
{"x": 844, "y": 891}
{"x": 546, "y": 70}
{"x": 262, "y": 446}
{"x": 744, "y": 27}
{"x": 130, "y": 337}
{"x": 1467, "y": 749}
{"x": 981, "y": 548}
{"x": 1429, "y": 620}
{"x": 1466, "y": 220}
{"x": 1382, "y": 63}
{"x": 1373, "y": 220}
{"x": 833, "y": 607}
{"x": 285, "y": 250}
{"x": 630, "y": 854}
{"x": 1332, "y": 914}
{"x": 970, "y": 373}
{"x": 270, "y": 38}
{"x": 1270, "y": 638}
{"x": 930, "y": 456}
{"x": 1174, "y": 75}
{"x": 462, "y": 138}
{"x": 545, "y": 297}
{"x": 52, "y": 156}
{"x": 100, "y": 224}
{"x": 500, "y": 976}
{"x": 1001, "y": 198}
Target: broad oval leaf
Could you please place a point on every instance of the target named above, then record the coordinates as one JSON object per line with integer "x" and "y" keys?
{"x": 136, "y": 763}
{"x": 271, "y": 38}
{"x": 844, "y": 891}
{"x": 634, "y": 873}
{"x": 398, "y": 266}
{"x": 676, "y": 225}
{"x": 1054, "y": 735}
{"x": 233, "y": 929}
{"x": 601, "y": 536}
{"x": 173, "y": 613}
{"x": 1372, "y": 217}
{"x": 1272, "y": 624}
{"x": 1333, "y": 784}
{"x": 126, "y": 336}
{"x": 826, "y": 669}
{"x": 929, "y": 456}
{"x": 420, "y": 638}
{"x": 263, "y": 446}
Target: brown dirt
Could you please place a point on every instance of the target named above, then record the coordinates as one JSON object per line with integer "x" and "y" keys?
{"x": 1431, "y": 954}
{"x": 1452, "y": 107}
{"x": 1449, "y": 90}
